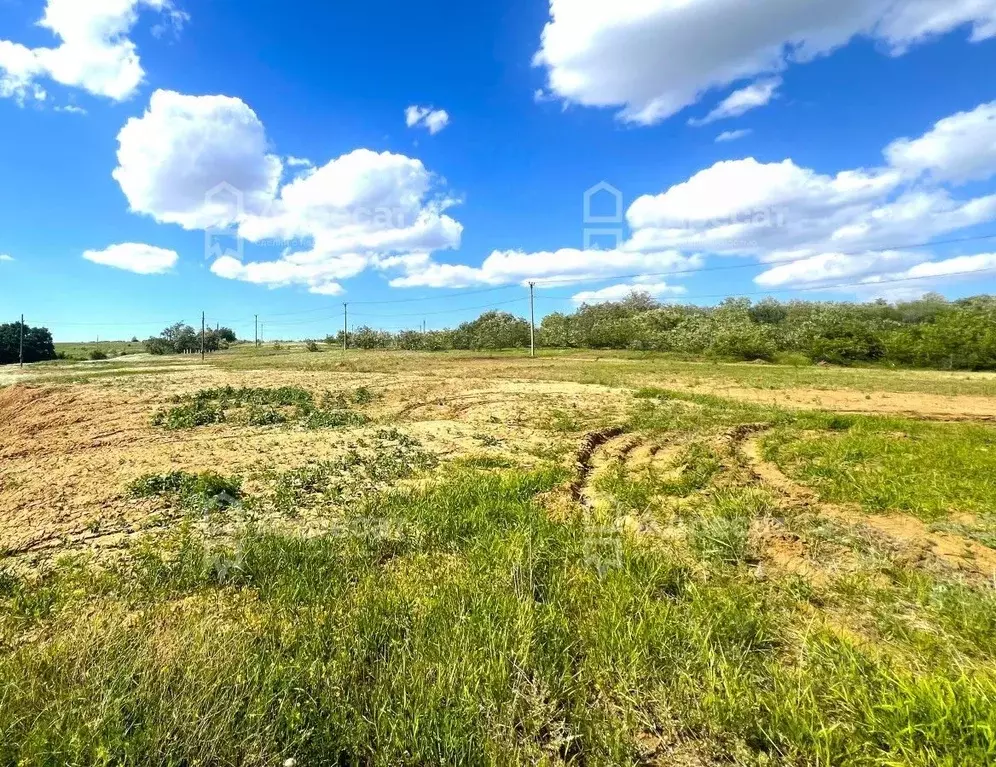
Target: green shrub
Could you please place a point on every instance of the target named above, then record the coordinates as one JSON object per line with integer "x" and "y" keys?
{"x": 190, "y": 416}
{"x": 205, "y": 491}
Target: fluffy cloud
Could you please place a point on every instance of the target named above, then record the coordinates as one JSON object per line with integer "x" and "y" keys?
{"x": 5, "y": 257}
{"x": 94, "y": 53}
{"x": 563, "y": 266}
{"x": 732, "y": 135}
{"x": 828, "y": 223}
{"x": 203, "y": 162}
{"x": 959, "y": 148}
{"x": 196, "y": 161}
{"x": 433, "y": 120}
{"x": 623, "y": 290}
{"x": 831, "y": 268}
{"x": 134, "y": 257}
{"x": 653, "y": 58}
{"x": 811, "y": 228}
{"x": 742, "y": 101}
{"x": 953, "y": 267}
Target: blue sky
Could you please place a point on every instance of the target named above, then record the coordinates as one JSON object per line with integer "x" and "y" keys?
{"x": 856, "y": 131}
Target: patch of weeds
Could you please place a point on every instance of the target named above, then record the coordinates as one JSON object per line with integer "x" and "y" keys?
{"x": 333, "y": 419}
{"x": 652, "y": 392}
{"x": 258, "y": 406}
{"x": 264, "y": 416}
{"x": 697, "y": 464}
{"x": 189, "y": 416}
{"x": 488, "y": 440}
{"x": 394, "y": 456}
{"x": 722, "y": 532}
{"x": 363, "y": 396}
{"x": 230, "y": 397}
{"x": 206, "y": 491}
{"x": 721, "y": 539}
{"x": 890, "y": 464}
{"x": 562, "y": 422}
{"x": 484, "y": 462}
{"x": 10, "y": 583}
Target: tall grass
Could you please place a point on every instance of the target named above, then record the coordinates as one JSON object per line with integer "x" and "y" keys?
{"x": 457, "y": 624}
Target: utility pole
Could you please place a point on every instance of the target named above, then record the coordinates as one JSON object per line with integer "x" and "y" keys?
{"x": 345, "y": 325}
{"x": 21, "y": 356}
{"x": 532, "y": 321}
{"x": 203, "y": 326}
{"x": 257, "y": 331}
{"x": 423, "y": 327}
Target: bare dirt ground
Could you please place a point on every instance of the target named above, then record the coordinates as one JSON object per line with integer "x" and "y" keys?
{"x": 67, "y": 453}
{"x": 69, "y": 450}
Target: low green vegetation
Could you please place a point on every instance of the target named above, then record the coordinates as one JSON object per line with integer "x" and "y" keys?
{"x": 254, "y": 406}
{"x": 929, "y": 470}
{"x": 461, "y": 624}
{"x": 205, "y": 491}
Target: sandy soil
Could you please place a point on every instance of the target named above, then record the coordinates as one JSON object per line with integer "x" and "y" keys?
{"x": 67, "y": 453}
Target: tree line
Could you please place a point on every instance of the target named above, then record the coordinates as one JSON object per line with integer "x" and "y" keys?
{"x": 930, "y": 332}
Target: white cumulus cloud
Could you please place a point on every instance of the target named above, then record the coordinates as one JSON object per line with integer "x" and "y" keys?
{"x": 94, "y": 53}
{"x": 652, "y": 58}
{"x": 959, "y": 148}
{"x": 624, "y": 290}
{"x": 204, "y": 162}
{"x": 196, "y": 161}
{"x": 742, "y": 101}
{"x": 563, "y": 266}
{"x": 430, "y": 118}
{"x": 5, "y": 257}
{"x": 134, "y": 257}
{"x": 732, "y": 135}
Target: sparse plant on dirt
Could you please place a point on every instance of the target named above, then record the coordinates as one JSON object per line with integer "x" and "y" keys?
{"x": 256, "y": 406}
{"x": 205, "y": 491}
{"x": 189, "y": 416}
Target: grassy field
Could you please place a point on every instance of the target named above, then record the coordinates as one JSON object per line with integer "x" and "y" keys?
{"x": 413, "y": 559}
{"x": 84, "y": 349}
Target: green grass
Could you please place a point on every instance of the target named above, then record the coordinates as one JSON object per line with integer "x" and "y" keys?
{"x": 457, "y": 624}
{"x": 260, "y": 406}
{"x": 929, "y": 470}
{"x": 613, "y": 368}
{"x": 82, "y": 350}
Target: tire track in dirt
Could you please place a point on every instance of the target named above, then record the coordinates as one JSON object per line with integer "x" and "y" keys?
{"x": 586, "y": 451}
{"x": 956, "y": 552}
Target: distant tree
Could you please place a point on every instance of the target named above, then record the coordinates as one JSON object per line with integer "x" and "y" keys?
{"x": 38, "y": 345}
{"x": 177, "y": 339}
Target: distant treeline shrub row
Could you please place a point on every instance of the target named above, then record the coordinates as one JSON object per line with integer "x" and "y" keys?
{"x": 930, "y": 332}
